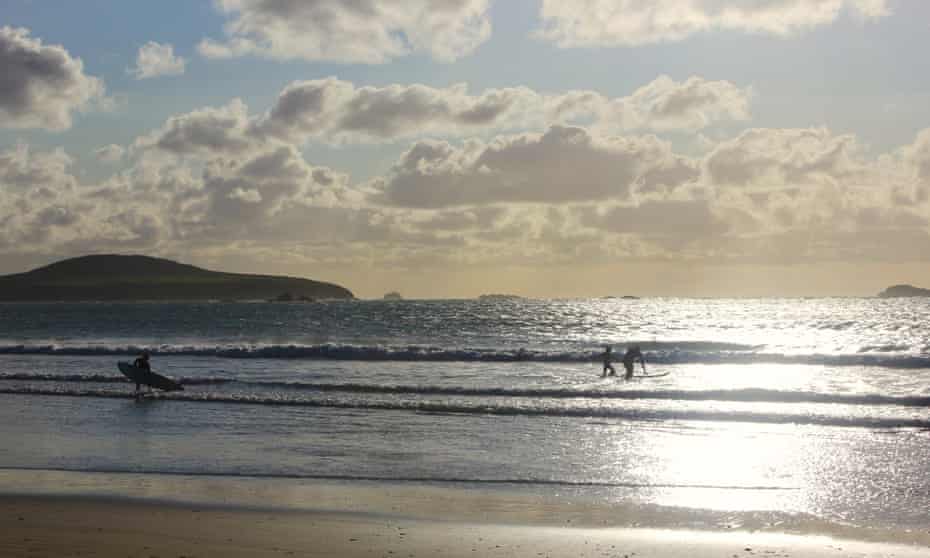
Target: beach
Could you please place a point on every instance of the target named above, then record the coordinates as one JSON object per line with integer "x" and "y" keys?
{"x": 462, "y": 428}
{"x": 380, "y": 520}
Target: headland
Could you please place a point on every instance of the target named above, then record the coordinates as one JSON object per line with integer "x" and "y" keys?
{"x": 127, "y": 278}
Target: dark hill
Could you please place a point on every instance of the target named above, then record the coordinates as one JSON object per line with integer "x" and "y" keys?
{"x": 903, "y": 290}
{"x": 111, "y": 277}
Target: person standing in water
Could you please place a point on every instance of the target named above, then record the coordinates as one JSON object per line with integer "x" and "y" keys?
{"x": 142, "y": 363}
{"x": 608, "y": 362}
{"x": 632, "y": 355}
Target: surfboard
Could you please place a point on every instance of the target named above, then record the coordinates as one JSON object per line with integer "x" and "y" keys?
{"x": 662, "y": 375}
{"x": 148, "y": 378}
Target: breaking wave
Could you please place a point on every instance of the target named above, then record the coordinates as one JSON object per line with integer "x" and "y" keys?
{"x": 698, "y": 352}
{"x": 586, "y": 391}
{"x": 527, "y": 408}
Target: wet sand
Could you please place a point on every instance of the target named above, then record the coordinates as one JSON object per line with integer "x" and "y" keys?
{"x": 60, "y": 526}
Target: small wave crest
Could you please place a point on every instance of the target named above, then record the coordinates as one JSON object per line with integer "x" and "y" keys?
{"x": 564, "y": 392}
{"x": 101, "y": 379}
{"x": 657, "y": 352}
{"x": 532, "y": 408}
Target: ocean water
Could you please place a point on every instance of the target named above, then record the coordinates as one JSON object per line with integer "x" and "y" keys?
{"x": 796, "y": 409}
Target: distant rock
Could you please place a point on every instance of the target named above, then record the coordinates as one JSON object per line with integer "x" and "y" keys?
{"x": 118, "y": 277}
{"x": 903, "y": 291}
{"x": 393, "y": 295}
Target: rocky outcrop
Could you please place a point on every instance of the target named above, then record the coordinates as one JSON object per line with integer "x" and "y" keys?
{"x": 903, "y": 291}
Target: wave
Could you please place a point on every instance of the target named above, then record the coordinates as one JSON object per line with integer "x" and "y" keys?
{"x": 745, "y": 395}
{"x": 697, "y": 352}
{"x": 102, "y": 379}
{"x": 415, "y": 479}
{"x": 529, "y": 409}
{"x": 332, "y": 351}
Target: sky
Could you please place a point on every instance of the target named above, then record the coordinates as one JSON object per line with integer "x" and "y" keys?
{"x": 451, "y": 148}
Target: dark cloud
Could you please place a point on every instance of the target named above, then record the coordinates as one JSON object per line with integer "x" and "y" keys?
{"x": 562, "y": 165}
{"x": 208, "y": 131}
{"x": 41, "y": 85}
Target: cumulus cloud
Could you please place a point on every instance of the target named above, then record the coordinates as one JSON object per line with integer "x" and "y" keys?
{"x": 766, "y": 157}
{"x": 110, "y": 153}
{"x": 41, "y": 85}
{"x": 670, "y": 224}
{"x": 24, "y": 170}
{"x": 563, "y": 164}
{"x": 336, "y": 111}
{"x": 917, "y": 156}
{"x": 591, "y": 23}
{"x": 155, "y": 60}
{"x": 247, "y": 198}
{"x": 35, "y": 189}
{"x": 366, "y": 31}
{"x": 207, "y": 131}
{"x": 569, "y": 195}
{"x": 665, "y": 104}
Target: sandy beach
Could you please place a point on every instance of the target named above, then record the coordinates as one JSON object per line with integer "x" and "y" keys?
{"x": 59, "y": 527}
{"x": 183, "y": 517}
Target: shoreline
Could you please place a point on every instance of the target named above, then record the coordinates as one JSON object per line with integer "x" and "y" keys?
{"x": 68, "y": 526}
{"x": 63, "y": 513}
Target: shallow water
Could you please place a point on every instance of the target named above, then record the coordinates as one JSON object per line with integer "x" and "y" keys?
{"x": 818, "y": 407}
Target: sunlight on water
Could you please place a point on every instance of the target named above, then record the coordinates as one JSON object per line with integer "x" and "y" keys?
{"x": 810, "y": 406}
{"x": 736, "y": 468}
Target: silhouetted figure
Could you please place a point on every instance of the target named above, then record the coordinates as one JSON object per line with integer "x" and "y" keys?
{"x": 142, "y": 363}
{"x": 632, "y": 355}
{"x": 608, "y": 362}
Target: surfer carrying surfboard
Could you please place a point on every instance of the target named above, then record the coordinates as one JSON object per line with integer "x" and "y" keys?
{"x": 142, "y": 363}
{"x": 632, "y": 355}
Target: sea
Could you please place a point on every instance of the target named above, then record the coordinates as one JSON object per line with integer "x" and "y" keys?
{"x": 755, "y": 412}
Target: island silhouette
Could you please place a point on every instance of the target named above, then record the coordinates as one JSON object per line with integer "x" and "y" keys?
{"x": 896, "y": 291}
{"x": 121, "y": 277}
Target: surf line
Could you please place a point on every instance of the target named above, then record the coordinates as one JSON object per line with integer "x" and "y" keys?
{"x": 485, "y": 409}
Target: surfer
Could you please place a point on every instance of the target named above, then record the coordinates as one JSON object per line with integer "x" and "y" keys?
{"x": 142, "y": 363}
{"x": 632, "y": 355}
{"x": 608, "y": 362}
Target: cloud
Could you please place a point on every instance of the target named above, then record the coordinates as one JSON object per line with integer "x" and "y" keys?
{"x": 35, "y": 189}
{"x": 23, "y": 170}
{"x": 765, "y": 157}
{"x": 336, "y": 111}
{"x": 564, "y": 164}
{"x": 593, "y": 23}
{"x": 565, "y": 196}
{"x": 671, "y": 224}
{"x": 110, "y": 153}
{"x": 41, "y": 85}
{"x": 208, "y": 131}
{"x": 155, "y": 60}
{"x": 665, "y": 104}
{"x": 246, "y": 198}
{"x": 917, "y": 156}
{"x": 365, "y": 31}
